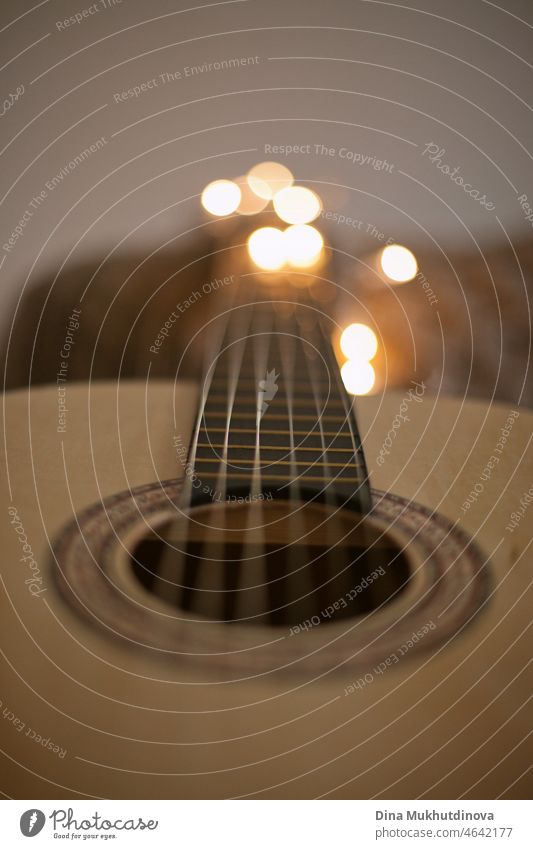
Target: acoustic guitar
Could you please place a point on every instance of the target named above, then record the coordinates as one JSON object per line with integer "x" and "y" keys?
{"x": 238, "y": 587}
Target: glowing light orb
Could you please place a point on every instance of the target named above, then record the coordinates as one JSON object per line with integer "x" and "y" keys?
{"x": 358, "y": 377}
{"x": 250, "y": 203}
{"x": 359, "y": 342}
{"x": 297, "y": 205}
{"x": 398, "y": 263}
{"x": 221, "y": 197}
{"x": 303, "y": 245}
{"x": 266, "y": 247}
{"x": 267, "y": 178}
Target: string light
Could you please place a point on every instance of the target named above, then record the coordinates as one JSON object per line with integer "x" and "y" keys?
{"x": 267, "y": 178}
{"x": 303, "y": 245}
{"x": 297, "y": 205}
{"x": 398, "y": 263}
{"x": 221, "y": 197}
{"x": 266, "y": 246}
{"x": 358, "y": 377}
{"x": 359, "y": 342}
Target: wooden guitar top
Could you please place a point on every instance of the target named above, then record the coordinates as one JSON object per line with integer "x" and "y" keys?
{"x": 86, "y": 713}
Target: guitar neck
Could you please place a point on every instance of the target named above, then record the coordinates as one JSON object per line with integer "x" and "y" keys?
{"x": 274, "y": 419}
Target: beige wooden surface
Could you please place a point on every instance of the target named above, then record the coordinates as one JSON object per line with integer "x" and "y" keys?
{"x": 444, "y": 725}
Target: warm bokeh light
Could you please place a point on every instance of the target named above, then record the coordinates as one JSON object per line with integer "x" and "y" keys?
{"x": 266, "y": 247}
{"x": 398, "y": 263}
{"x": 250, "y": 203}
{"x": 297, "y": 205}
{"x": 267, "y": 178}
{"x": 221, "y": 197}
{"x": 359, "y": 342}
{"x": 358, "y": 377}
{"x": 303, "y": 245}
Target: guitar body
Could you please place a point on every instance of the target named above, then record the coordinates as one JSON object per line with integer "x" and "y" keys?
{"x": 95, "y": 706}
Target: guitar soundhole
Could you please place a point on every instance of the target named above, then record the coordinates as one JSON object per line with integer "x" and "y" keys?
{"x": 403, "y": 569}
{"x": 340, "y": 567}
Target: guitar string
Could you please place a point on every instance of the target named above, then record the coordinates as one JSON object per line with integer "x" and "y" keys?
{"x": 181, "y": 566}
{"x": 256, "y": 566}
{"x": 260, "y": 352}
{"x": 334, "y": 531}
{"x": 261, "y": 347}
{"x": 170, "y": 578}
{"x": 299, "y": 574}
{"x": 312, "y": 367}
{"x": 363, "y": 488}
{"x": 332, "y": 368}
{"x": 212, "y": 352}
{"x": 233, "y": 595}
{"x": 237, "y": 353}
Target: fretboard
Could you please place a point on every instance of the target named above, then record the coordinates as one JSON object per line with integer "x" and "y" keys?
{"x": 274, "y": 420}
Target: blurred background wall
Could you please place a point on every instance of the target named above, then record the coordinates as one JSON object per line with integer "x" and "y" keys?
{"x": 116, "y": 115}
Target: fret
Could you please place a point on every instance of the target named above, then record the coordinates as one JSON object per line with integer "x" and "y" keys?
{"x": 309, "y": 414}
{"x": 265, "y": 465}
{"x": 271, "y": 452}
{"x": 249, "y": 375}
{"x": 309, "y": 411}
{"x": 267, "y": 478}
{"x": 251, "y": 383}
{"x": 317, "y": 415}
{"x": 214, "y": 414}
{"x": 249, "y": 404}
{"x": 283, "y": 431}
{"x": 299, "y": 401}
